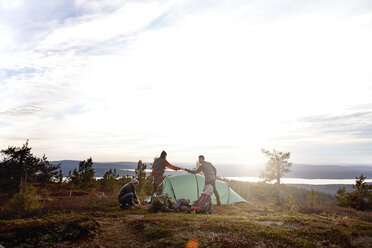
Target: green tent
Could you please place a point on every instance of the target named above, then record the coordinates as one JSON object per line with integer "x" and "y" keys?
{"x": 190, "y": 186}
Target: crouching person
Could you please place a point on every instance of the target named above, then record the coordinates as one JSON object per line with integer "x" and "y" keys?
{"x": 127, "y": 196}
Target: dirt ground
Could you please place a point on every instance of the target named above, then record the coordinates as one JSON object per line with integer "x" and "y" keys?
{"x": 113, "y": 233}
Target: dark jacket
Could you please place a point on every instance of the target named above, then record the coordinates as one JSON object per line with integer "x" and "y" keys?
{"x": 208, "y": 170}
{"x": 127, "y": 188}
{"x": 159, "y": 166}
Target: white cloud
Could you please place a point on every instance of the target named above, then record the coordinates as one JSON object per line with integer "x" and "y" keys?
{"x": 190, "y": 78}
{"x": 85, "y": 31}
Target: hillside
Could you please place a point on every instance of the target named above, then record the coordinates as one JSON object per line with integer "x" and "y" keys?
{"x": 89, "y": 219}
{"x": 102, "y": 224}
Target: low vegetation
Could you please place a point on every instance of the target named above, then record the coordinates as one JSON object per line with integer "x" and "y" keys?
{"x": 359, "y": 199}
{"x": 89, "y": 218}
{"x": 244, "y": 225}
{"x": 47, "y": 230}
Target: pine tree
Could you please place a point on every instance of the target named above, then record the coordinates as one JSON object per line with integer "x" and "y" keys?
{"x": 313, "y": 198}
{"x": 141, "y": 174}
{"x": 69, "y": 177}
{"x": 74, "y": 178}
{"x": 276, "y": 167}
{"x": 60, "y": 176}
{"x": 84, "y": 176}
{"x": 342, "y": 200}
{"x": 109, "y": 181}
{"x": 360, "y": 198}
{"x": 46, "y": 171}
{"x": 86, "y": 172}
{"x": 19, "y": 166}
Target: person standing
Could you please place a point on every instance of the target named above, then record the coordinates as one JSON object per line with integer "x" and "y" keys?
{"x": 127, "y": 196}
{"x": 210, "y": 174}
{"x": 158, "y": 169}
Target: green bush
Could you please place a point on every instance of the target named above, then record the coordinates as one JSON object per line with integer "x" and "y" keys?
{"x": 148, "y": 185}
{"x": 23, "y": 204}
{"x": 360, "y": 198}
{"x": 39, "y": 231}
{"x": 109, "y": 182}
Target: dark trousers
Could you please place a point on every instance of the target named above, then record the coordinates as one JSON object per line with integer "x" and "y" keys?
{"x": 157, "y": 185}
{"x": 127, "y": 199}
{"x": 215, "y": 192}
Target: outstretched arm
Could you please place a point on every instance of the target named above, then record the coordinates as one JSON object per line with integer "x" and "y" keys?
{"x": 195, "y": 171}
{"x": 171, "y": 166}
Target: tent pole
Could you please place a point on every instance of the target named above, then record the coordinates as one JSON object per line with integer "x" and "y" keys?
{"x": 174, "y": 193}
{"x": 228, "y": 194}
{"x": 197, "y": 187}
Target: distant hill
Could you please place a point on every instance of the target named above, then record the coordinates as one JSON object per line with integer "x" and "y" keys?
{"x": 329, "y": 171}
{"x": 99, "y": 167}
{"x": 297, "y": 170}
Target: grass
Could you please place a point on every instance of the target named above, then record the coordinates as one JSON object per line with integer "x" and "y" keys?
{"x": 336, "y": 211}
{"x": 53, "y": 228}
{"x": 79, "y": 204}
{"x": 250, "y": 228}
{"x": 88, "y": 219}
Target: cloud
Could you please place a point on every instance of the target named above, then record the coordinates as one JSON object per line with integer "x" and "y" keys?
{"x": 23, "y": 110}
{"x": 356, "y": 125}
{"x": 124, "y": 21}
{"x": 10, "y": 73}
{"x": 129, "y": 78}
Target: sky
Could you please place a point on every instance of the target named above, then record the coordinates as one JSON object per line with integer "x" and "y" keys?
{"x": 123, "y": 80}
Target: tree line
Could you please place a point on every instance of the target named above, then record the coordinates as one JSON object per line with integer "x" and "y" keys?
{"x": 19, "y": 167}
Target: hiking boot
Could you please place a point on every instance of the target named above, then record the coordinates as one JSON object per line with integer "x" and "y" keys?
{"x": 125, "y": 206}
{"x": 218, "y": 202}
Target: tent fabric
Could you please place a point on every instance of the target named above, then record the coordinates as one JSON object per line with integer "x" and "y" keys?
{"x": 190, "y": 186}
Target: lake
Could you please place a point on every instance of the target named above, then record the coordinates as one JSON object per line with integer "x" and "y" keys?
{"x": 300, "y": 180}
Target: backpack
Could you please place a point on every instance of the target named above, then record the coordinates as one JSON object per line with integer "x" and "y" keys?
{"x": 204, "y": 203}
{"x": 161, "y": 204}
{"x": 182, "y": 205}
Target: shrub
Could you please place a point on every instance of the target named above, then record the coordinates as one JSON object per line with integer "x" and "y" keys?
{"x": 23, "y": 204}
{"x": 51, "y": 229}
{"x": 67, "y": 192}
{"x": 333, "y": 210}
{"x": 360, "y": 198}
{"x": 84, "y": 176}
{"x": 148, "y": 185}
{"x": 141, "y": 175}
{"x": 109, "y": 182}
